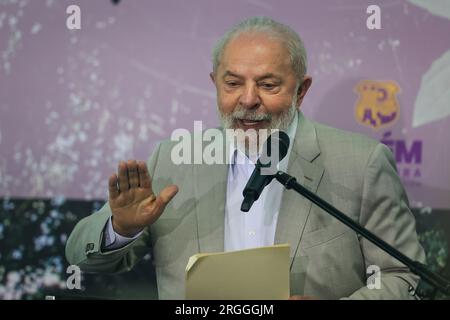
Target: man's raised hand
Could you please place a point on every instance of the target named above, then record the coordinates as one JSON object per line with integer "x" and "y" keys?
{"x": 133, "y": 203}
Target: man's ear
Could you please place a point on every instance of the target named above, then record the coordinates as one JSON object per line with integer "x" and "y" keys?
{"x": 302, "y": 89}
{"x": 213, "y": 79}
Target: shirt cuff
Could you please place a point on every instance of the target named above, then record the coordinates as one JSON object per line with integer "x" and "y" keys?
{"x": 113, "y": 240}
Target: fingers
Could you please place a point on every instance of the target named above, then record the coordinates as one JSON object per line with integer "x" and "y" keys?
{"x": 112, "y": 186}
{"x": 123, "y": 177}
{"x": 133, "y": 177}
{"x": 144, "y": 177}
{"x": 133, "y": 174}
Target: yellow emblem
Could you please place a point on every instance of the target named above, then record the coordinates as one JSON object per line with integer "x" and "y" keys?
{"x": 377, "y": 106}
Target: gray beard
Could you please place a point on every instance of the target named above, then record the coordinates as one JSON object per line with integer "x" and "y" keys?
{"x": 280, "y": 122}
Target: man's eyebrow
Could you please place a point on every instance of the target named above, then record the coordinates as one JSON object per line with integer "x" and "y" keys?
{"x": 232, "y": 74}
{"x": 263, "y": 77}
{"x": 268, "y": 76}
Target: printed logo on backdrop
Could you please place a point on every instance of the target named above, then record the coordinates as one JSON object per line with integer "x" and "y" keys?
{"x": 378, "y": 108}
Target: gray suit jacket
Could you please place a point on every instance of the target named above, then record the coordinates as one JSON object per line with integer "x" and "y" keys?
{"x": 328, "y": 260}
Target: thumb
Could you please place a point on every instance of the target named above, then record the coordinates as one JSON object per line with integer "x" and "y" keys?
{"x": 167, "y": 194}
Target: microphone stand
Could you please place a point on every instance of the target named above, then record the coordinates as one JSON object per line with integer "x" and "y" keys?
{"x": 416, "y": 267}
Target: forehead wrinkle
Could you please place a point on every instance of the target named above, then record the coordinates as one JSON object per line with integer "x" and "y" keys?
{"x": 258, "y": 56}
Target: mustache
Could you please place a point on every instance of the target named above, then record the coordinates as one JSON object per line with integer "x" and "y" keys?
{"x": 243, "y": 114}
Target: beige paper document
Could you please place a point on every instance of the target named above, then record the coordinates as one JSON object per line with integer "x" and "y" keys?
{"x": 252, "y": 274}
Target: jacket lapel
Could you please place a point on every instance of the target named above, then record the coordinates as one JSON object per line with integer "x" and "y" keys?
{"x": 295, "y": 209}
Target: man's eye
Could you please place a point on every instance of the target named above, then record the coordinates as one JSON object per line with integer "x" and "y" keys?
{"x": 232, "y": 83}
{"x": 268, "y": 85}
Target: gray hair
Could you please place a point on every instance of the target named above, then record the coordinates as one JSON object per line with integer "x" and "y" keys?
{"x": 272, "y": 28}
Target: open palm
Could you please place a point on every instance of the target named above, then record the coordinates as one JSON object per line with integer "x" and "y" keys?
{"x": 133, "y": 203}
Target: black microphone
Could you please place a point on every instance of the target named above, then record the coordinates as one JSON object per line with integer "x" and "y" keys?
{"x": 265, "y": 168}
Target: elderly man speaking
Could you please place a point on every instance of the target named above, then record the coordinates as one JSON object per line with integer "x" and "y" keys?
{"x": 178, "y": 210}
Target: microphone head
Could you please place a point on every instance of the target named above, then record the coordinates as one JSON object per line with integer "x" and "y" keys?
{"x": 275, "y": 149}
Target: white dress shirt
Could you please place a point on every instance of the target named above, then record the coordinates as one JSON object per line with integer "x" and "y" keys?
{"x": 255, "y": 228}
{"x": 243, "y": 230}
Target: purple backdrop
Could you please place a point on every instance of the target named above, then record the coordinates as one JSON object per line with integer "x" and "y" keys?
{"x": 75, "y": 102}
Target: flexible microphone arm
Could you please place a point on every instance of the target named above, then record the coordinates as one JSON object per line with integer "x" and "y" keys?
{"x": 416, "y": 267}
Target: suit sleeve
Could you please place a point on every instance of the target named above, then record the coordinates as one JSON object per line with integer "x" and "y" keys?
{"x": 385, "y": 211}
{"x": 84, "y": 246}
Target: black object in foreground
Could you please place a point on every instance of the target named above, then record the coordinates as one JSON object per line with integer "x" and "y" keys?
{"x": 277, "y": 142}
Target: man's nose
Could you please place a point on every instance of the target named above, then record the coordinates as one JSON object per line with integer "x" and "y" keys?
{"x": 250, "y": 97}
